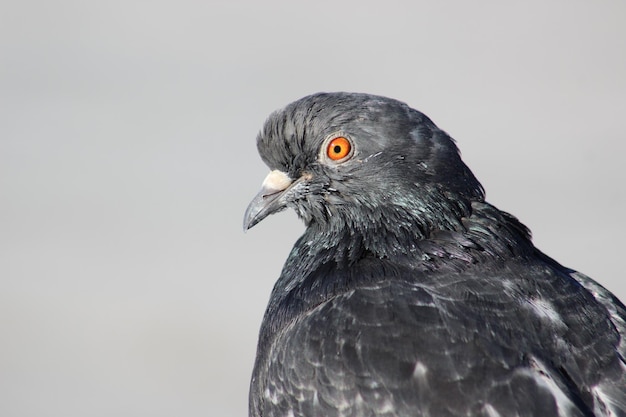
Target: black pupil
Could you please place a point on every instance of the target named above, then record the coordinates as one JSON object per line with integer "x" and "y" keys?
{"x": 337, "y": 149}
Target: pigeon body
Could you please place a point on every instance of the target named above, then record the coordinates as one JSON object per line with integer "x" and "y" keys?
{"x": 408, "y": 294}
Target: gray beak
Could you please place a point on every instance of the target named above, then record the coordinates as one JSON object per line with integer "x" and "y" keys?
{"x": 269, "y": 200}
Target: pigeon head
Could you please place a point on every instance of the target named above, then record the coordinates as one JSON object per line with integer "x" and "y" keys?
{"x": 364, "y": 165}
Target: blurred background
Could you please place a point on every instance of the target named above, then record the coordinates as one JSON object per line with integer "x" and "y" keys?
{"x": 127, "y": 158}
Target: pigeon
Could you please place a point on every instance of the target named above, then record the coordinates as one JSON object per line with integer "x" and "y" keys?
{"x": 410, "y": 295}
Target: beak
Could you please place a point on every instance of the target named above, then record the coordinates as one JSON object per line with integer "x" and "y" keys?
{"x": 269, "y": 200}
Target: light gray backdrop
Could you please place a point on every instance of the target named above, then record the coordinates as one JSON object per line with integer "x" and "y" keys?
{"x": 127, "y": 158}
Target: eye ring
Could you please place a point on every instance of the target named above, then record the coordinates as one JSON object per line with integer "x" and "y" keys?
{"x": 338, "y": 148}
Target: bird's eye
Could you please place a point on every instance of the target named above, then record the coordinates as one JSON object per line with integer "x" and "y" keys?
{"x": 338, "y": 148}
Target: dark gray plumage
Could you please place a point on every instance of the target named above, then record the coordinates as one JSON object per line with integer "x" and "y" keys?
{"x": 408, "y": 294}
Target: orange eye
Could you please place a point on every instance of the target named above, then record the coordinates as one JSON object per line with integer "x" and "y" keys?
{"x": 338, "y": 148}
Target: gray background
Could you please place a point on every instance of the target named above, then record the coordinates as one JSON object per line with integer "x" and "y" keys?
{"x": 127, "y": 158}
